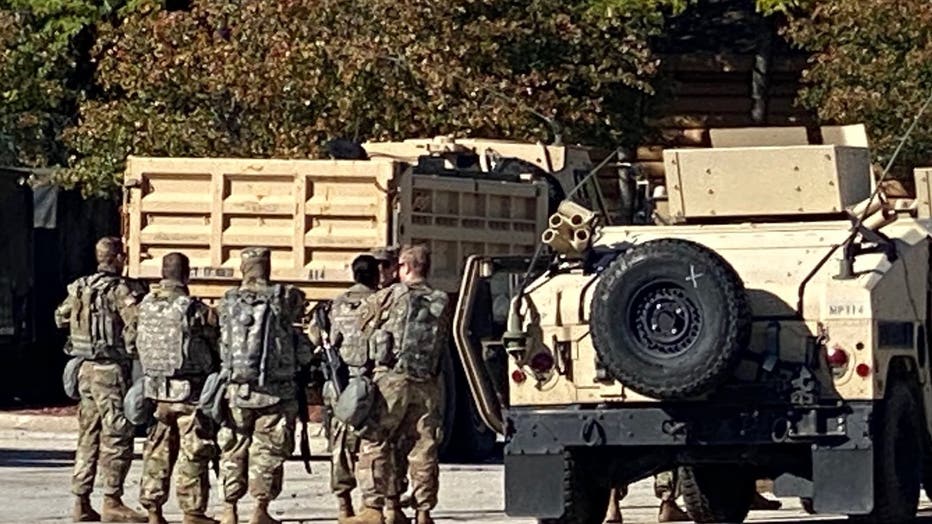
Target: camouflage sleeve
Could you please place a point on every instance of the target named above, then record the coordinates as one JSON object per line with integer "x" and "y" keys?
{"x": 315, "y": 334}
{"x": 445, "y": 326}
{"x": 127, "y": 297}
{"x": 211, "y": 333}
{"x": 370, "y": 311}
{"x": 63, "y": 311}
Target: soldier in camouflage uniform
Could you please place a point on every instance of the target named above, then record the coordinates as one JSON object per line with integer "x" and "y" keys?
{"x": 388, "y": 270}
{"x": 261, "y": 352}
{"x": 407, "y": 326}
{"x": 388, "y": 265}
{"x": 177, "y": 342}
{"x": 100, "y": 312}
{"x": 346, "y": 336}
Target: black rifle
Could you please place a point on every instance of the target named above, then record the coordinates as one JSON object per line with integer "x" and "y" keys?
{"x": 334, "y": 369}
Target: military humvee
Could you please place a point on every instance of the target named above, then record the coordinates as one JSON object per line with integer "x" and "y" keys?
{"x": 776, "y": 328}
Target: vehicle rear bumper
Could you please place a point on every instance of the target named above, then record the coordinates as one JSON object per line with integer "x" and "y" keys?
{"x": 830, "y": 444}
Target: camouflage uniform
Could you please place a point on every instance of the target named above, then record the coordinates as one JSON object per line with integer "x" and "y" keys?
{"x": 410, "y": 391}
{"x": 105, "y": 439}
{"x": 344, "y": 331}
{"x": 181, "y": 435}
{"x": 259, "y": 435}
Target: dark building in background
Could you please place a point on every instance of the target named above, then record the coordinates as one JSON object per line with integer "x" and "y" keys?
{"x": 47, "y": 237}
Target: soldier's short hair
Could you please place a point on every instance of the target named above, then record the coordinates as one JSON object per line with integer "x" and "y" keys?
{"x": 176, "y": 266}
{"x": 417, "y": 257}
{"x": 108, "y": 249}
{"x": 366, "y": 270}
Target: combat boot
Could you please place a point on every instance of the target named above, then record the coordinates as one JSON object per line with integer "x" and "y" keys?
{"x": 423, "y": 517}
{"x": 83, "y": 512}
{"x": 156, "y": 517}
{"x": 670, "y": 512}
{"x": 345, "y": 508}
{"x": 198, "y": 518}
{"x": 229, "y": 515}
{"x": 261, "y": 514}
{"x": 393, "y": 513}
{"x": 368, "y": 516}
{"x": 115, "y": 511}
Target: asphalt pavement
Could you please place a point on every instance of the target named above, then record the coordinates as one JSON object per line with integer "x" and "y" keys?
{"x": 35, "y": 472}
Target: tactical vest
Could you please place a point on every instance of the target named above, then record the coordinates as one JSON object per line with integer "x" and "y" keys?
{"x": 256, "y": 340}
{"x": 95, "y": 323}
{"x": 345, "y": 330}
{"x": 415, "y": 325}
{"x": 170, "y": 339}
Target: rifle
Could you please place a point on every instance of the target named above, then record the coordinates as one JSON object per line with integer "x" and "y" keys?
{"x": 334, "y": 369}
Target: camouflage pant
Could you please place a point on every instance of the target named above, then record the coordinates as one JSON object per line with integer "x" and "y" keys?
{"x": 105, "y": 439}
{"x": 254, "y": 450}
{"x": 344, "y": 449}
{"x": 181, "y": 436}
{"x": 409, "y": 410}
{"x": 667, "y": 485}
{"x": 344, "y": 455}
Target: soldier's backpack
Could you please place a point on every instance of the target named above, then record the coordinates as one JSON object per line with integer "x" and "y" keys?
{"x": 345, "y": 328}
{"x": 419, "y": 343}
{"x": 168, "y": 340}
{"x": 256, "y": 342}
{"x": 95, "y": 323}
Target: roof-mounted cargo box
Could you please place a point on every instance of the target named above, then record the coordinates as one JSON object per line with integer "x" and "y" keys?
{"x": 765, "y": 181}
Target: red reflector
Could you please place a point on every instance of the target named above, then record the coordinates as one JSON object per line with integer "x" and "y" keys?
{"x": 518, "y": 376}
{"x": 541, "y": 362}
{"x": 863, "y": 370}
{"x": 837, "y": 357}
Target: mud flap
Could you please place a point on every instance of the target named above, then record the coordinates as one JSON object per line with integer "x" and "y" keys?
{"x": 832, "y": 474}
{"x": 534, "y": 485}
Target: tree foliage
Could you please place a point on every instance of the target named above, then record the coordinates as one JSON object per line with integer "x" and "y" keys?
{"x": 43, "y": 67}
{"x": 281, "y": 78}
{"x": 871, "y": 63}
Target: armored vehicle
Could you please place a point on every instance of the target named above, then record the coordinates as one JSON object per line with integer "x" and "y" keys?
{"x": 461, "y": 197}
{"x": 775, "y": 328}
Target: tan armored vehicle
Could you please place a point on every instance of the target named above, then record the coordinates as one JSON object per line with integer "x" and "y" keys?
{"x": 461, "y": 197}
{"x": 776, "y": 329}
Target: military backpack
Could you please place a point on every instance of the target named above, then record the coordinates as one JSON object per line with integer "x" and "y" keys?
{"x": 256, "y": 340}
{"x": 169, "y": 337}
{"x": 95, "y": 323}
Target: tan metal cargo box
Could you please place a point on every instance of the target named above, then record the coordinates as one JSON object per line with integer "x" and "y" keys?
{"x": 316, "y": 216}
{"x": 765, "y": 181}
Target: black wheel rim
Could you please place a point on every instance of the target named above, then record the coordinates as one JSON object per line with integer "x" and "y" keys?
{"x": 664, "y": 320}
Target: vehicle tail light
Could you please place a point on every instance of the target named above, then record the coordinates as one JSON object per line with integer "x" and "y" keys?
{"x": 518, "y": 376}
{"x": 838, "y": 360}
{"x": 863, "y": 370}
{"x": 541, "y": 363}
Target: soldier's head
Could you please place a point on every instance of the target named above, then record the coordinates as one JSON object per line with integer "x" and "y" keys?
{"x": 109, "y": 254}
{"x": 366, "y": 271}
{"x": 177, "y": 267}
{"x": 414, "y": 263}
{"x": 388, "y": 265}
{"x": 256, "y": 264}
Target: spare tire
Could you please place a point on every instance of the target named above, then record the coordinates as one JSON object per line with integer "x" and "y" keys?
{"x": 670, "y": 319}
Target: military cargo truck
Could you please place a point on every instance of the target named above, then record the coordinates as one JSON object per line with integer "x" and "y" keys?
{"x": 777, "y": 328}
{"x": 460, "y": 197}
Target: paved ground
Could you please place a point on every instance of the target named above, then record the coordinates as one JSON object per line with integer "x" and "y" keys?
{"x": 36, "y": 467}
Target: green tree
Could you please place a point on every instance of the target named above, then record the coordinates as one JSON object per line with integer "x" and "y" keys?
{"x": 43, "y": 68}
{"x": 871, "y": 63}
{"x": 281, "y": 78}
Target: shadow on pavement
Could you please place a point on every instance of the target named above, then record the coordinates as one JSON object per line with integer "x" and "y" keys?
{"x": 36, "y": 458}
